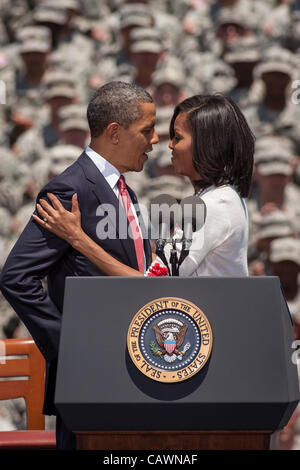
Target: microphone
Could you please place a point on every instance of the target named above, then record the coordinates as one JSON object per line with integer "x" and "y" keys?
{"x": 193, "y": 218}
{"x": 165, "y": 212}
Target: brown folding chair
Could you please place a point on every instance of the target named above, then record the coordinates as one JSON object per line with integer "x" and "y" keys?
{"x": 23, "y": 367}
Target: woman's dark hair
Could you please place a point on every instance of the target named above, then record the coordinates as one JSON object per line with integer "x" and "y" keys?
{"x": 223, "y": 144}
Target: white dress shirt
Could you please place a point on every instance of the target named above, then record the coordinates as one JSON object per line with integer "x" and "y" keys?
{"x": 110, "y": 173}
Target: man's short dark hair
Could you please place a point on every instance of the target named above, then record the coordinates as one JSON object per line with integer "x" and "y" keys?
{"x": 223, "y": 144}
{"x": 115, "y": 102}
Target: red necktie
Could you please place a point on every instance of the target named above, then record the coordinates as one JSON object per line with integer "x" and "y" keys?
{"x": 138, "y": 242}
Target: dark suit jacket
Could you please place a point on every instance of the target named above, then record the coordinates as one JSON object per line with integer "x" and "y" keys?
{"x": 39, "y": 253}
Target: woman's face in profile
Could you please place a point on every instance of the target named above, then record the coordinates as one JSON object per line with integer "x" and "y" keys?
{"x": 182, "y": 148}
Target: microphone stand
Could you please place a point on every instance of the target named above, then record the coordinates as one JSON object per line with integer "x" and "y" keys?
{"x": 160, "y": 245}
{"x": 174, "y": 262}
{"x": 174, "y": 259}
{"x": 186, "y": 243}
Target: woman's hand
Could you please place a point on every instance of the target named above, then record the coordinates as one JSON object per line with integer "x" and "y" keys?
{"x": 58, "y": 220}
{"x": 67, "y": 225}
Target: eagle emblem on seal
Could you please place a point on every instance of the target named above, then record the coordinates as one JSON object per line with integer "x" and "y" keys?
{"x": 170, "y": 335}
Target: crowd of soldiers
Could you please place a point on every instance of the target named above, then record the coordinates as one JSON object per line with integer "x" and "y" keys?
{"x": 54, "y": 54}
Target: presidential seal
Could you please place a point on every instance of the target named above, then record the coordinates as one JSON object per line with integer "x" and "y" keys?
{"x": 169, "y": 339}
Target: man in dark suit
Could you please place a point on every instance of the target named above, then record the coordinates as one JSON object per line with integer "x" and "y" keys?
{"x": 121, "y": 118}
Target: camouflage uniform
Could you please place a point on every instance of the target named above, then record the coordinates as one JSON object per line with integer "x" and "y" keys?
{"x": 61, "y": 156}
{"x": 30, "y": 147}
{"x": 169, "y": 83}
{"x": 277, "y": 24}
{"x": 30, "y": 96}
{"x": 142, "y": 42}
{"x": 264, "y": 120}
{"x": 219, "y": 77}
{"x": 262, "y": 231}
{"x": 243, "y": 55}
{"x": 252, "y": 11}
{"x": 12, "y": 181}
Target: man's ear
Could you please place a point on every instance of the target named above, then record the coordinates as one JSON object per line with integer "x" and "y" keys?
{"x": 113, "y": 132}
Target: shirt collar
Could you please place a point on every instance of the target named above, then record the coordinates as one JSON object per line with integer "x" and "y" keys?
{"x": 210, "y": 188}
{"x": 206, "y": 190}
{"x": 110, "y": 173}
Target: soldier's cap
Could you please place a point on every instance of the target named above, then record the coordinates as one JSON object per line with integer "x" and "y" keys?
{"x": 227, "y": 15}
{"x": 24, "y": 213}
{"x": 275, "y": 168}
{"x": 169, "y": 184}
{"x": 215, "y": 68}
{"x": 273, "y": 161}
{"x": 35, "y": 45}
{"x": 135, "y": 14}
{"x": 61, "y": 156}
{"x": 171, "y": 190}
{"x": 168, "y": 74}
{"x": 165, "y": 181}
{"x": 58, "y": 77}
{"x": 34, "y": 32}
{"x": 274, "y": 150}
{"x": 244, "y": 49}
{"x": 124, "y": 75}
{"x": 45, "y": 14}
{"x": 219, "y": 76}
{"x": 74, "y": 124}
{"x": 25, "y": 109}
{"x": 146, "y": 40}
{"x": 9, "y": 165}
{"x": 67, "y": 4}
{"x": 276, "y": 59}
{"x": 163, "y": 118}
{"x": 163, "y": 154}
{"x": 60, "y": 91}
{"x": 57, "y": 60}
{"x": 71, "y": 111}
{"x": 109, "y": 50}
{"x": 285, "y": 249}
{"x": 275, "y": 224}
{"x": 222, "y": 84}
{"x": 269, "y": 141}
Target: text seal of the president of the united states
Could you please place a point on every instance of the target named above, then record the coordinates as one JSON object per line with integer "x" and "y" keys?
{"x": 169, "y": 339}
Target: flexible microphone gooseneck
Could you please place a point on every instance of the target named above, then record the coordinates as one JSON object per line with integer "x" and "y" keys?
{"x": 164, "y": 215}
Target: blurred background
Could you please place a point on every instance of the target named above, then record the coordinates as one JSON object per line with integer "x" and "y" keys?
{"x": 54, "y": 54}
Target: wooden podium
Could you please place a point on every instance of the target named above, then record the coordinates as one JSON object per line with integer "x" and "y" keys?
{"x": 176, "y": 440}
{"x": 242, "y": 397}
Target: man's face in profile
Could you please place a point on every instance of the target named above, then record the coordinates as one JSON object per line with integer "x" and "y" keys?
{"x": 137, "y": 140}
